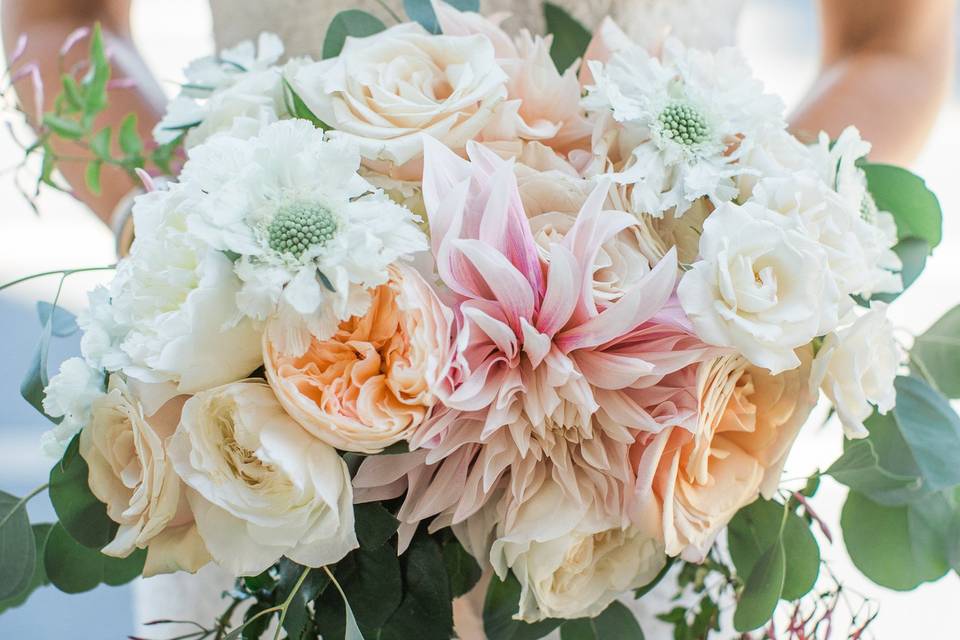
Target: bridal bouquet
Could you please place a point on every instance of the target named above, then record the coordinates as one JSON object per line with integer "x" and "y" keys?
{"x": 456, "y": 324}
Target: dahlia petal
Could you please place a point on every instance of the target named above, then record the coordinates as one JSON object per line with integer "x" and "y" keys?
{"x": 560, "y": 297}
{"x": 510, "y": 288}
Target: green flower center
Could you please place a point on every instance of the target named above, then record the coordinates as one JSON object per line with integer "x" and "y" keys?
{"x": 683, "y": 124}
{"x": 301, "y": 226}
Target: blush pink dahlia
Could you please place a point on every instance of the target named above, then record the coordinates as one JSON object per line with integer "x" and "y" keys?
{"x": 541, "y": 388}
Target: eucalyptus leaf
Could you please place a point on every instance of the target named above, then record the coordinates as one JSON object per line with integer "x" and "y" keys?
{"x": 915, "y": 208}
{"x": 878, "y": 540}
{"x": 80, "y": 513}
{"x": 859, "y": 468}
{"x": 36, "y": 379}
{"x": 353, "y": 23}
{"x": 39, "y": 577}
{"x": 616, "y": 621}
{"x": 17, "y": 547}
{"x": 913, "y": 254}
{"x": 73, "y": 568}
{"x": 570, "y": 38}
{"x": 63, "y": 323}
{"x": 936, "y": 352}
{"x": 931, "y": 428}
{"x": 762, "y": 591}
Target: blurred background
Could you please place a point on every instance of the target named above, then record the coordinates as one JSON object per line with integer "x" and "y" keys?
{"x": 780, "y": 38}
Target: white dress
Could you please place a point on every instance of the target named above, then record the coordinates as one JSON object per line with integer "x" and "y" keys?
{"x": 302, "y": 24}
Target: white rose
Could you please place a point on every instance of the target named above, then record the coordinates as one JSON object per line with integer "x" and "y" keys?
{"x": 260, "y": 487}
{"x": 856, "y": 368}
{"x": 571, "y": 564}
{"x": 170, "y": 313}
{"x": 69, "y": 396}
{"x": 389, "y": 90}
{"x": 131, "y": 474}
{"x": 761, "y": 286}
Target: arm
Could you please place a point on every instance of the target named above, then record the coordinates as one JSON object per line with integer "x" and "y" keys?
{"x": 47, "y": 23}
{"x": 886, "y": 68}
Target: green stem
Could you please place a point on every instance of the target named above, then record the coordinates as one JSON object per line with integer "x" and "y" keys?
{"x": 286, "y": 603}
{"x": 24, "y": 500}
{"x": 63, "y": 272}
{"x": 386, "y": 7}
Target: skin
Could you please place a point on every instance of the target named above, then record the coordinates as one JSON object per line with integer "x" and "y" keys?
{"x": 885, "y": 67}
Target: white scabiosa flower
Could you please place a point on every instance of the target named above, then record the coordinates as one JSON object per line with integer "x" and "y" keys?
{"x": 69, "y": 396}
{"x": 239, "y": 90}
{"x": 312, "y": 235}
{"x": 688, "y": 118}
{"x": 856, "y": 368}
{"x": 170, "y": 313}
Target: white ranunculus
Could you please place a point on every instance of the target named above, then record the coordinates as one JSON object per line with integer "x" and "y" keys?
{"x": 385, "y": 92}
{"x": 761, "y": 286}
{"x": 238, "y": 86}
{"x": 571, "y": 563}
{"x": 170, "y": 313}
{"x": 856, "y": 368}
{"x": 69, "y": 396}
{"x": 130, "y": 472}
{"x": 260, "y": 487}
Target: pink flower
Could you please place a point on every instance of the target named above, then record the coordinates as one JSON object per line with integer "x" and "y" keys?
{"x": 544, "y": 376}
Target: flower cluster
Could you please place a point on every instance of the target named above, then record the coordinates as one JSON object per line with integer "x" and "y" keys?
{"x": 591, "y": 311}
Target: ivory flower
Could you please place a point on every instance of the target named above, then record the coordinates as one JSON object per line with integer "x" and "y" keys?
{"x": 131, "y": 473}
{"x": 259, "y": 486}
{"x": 374, "y": 381}
{"x": 729, "y": 429}
{"x": 571, "y": 563}
{"x": 68, "y": 397}
{"x": 761, "y": 286}
{"x": 856, "y": 367}
{"x": 386, "y": 92}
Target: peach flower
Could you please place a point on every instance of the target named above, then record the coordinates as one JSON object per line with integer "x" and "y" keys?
{"x": 373, "y": 382}
{"x": 729, "y": 429}
{"x": 131, "y": 473}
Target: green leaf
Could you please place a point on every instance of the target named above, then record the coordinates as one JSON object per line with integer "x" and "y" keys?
{"x": 878, "y": 539}
{"x": 80, "y": 513}
{"x": 425, "y": 612}
{"x": 930, "y": 522}
{"x": 129, "y": 138}
{"x": 39, "y": 577}
{"x": 937, "y": 350}
{"x": 462, "y": 570}
{"x": 353, "y": 23}
{"x": 616, "y": 621}
{"x": 914, "y": 207}
{"x": 374, "y": 524}
{"x": 64, "y": 127}
{"x": 422, "y": 11}
{"x": 913, "y": 254}
{"x": 298, "y": 621}
{"x": 570, "y": 38}
{"x": 372, "y": 580}
{"x": 17, "y": 547}
{"x": 757, "y": 527}
{"x": 63, "y": 323}
{"x": 71, "y": 93}
{"x": 500, "y": 605}
{"x": 92, "y": 176}
{"x": 96, "y": 79}
{"x": 931, "y": 428}
{"x": 299, "y": 109}
{"x": 351, "y": 630}
{"x": 36, "y": 379}
{"x": 763, "y": 588}
{"x": 859, "y": 468}
{"x": 73, "y": 568}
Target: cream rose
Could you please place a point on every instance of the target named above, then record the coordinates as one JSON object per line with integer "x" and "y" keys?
{"x": 732, "y": 428}
{"x": 761, "y": 286}
{"x": 571, "y": 564}
{"x": 373, "y": 382}
{"x": 856, "y": 368}
{"x": 260, "y": 487}
{"x": 389, "y": 90}
{"x": 131, "y": 473}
